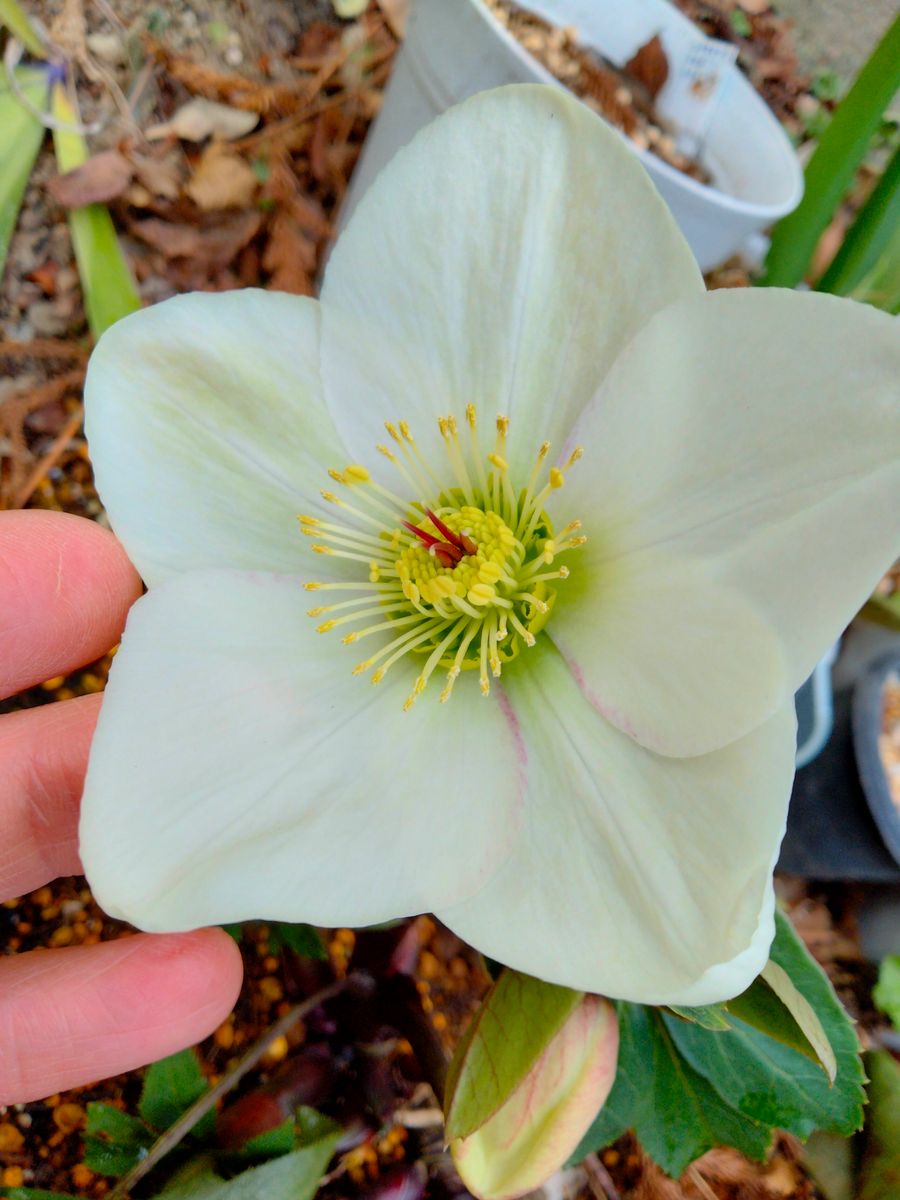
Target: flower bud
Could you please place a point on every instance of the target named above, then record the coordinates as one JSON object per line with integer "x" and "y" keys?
{"x": 542, "y": 1121}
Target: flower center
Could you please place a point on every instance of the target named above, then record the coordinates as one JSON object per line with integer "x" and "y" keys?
{"x": 461, "y": 574}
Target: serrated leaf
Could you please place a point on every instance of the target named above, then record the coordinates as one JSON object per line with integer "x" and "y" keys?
{"x": 516, "y": 1020}
{"x": 109, "y": 291}
{"x": 21, "y": 134}
{"x": 114, "y": 1140}
{"x": 295, "y": 1176}
{"x": 675, "y": 1112}
{"x": 171, "y": 1086}
{"x": 302, "y": 939}
{"x": 886, "y": 993}
{"x": 710, "y": 1016}
{"x": 803, "y": 1014}
{"x": 764, "y": 1007}
{"x": 880, "y": 1170}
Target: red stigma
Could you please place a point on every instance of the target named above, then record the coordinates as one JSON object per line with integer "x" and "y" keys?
{"x": 449, "y": 552}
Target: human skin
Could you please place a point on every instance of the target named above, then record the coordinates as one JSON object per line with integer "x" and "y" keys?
{"x": 71, "y": 1016}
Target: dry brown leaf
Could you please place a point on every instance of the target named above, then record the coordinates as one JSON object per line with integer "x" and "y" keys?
{"x": 101, "y": 178}
{"x": 649, "y": 66}
{"x": 222, "y": 179}
{"x": 216, "y": 245}
{"x": 161, "y": 176}
{"x": 290, "y": 257}
{"x": 200, "y": 118}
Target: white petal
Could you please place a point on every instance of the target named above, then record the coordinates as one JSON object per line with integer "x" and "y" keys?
{"x": 239, "y": 770}
{"x": 670, "y": 655}
{"x": 503, "y": 258}
{"x": 755, "y": 435}
{"x": 208, "y": 432}
{"x": 637, "y": 877}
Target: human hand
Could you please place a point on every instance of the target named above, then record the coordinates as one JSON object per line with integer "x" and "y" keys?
{"x": 70, "y": 1016}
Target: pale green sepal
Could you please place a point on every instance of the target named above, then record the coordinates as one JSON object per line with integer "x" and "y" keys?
{"x": 109, "y": 291}
{"x": 543, "y": 1120}
{"x": 518, "y": 1018}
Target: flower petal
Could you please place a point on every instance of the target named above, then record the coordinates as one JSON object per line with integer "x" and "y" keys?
{"x": 635, "y": 876}
{"x": 753, "y": 436}
{"x": 503, "y": 258}
{"x": 670, "y": 655}
{"x": 208, "y": 432}
{"x": 239, "y": 771}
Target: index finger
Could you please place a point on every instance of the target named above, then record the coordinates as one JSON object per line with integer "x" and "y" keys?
{"x": 65, "y": 588}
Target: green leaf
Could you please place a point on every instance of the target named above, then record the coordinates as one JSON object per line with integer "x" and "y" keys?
{"x": 774, "y": 1006}
{"x": 295, "y": 1176}
{"x": 171, "y": 1086}
{"x": 886, "y": 992}
{"x": 710, "y": 1016}
{"x": 869, "y": 237}
{"x": 833, "y": 165}
{"x": 302, "y": 939}
{"x": 740, "y": 23}
{"x": 271, "y": 1144}
{"x": 672, "y": 1108}
{"x": 516, "y": 1020}
{"x": 235, "y": 931}
{"x": 18, "y": 24}
{"x": 21, "y": 134}
{"x": 114, "y": 1140}
{"x": 109, "y": 291}
{"x": 880, "y": 1171}
{"x": 26, "y": 1193}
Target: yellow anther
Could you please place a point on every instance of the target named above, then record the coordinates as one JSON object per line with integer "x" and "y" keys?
{"x": 443, "y": 585}
{"x": 317, "y": 612}
{"x": 349, "y": 638}
{"x": 387, "y": 452}
{"x": 305, "y": 520}
{"x": 329, "y": 496}
{"x": 503, "y": 426}
{"x": 378, "y": 676}
{"x": 481, "y": 593}
{"x": 578, "y": 541}
{"x": 317, "y": 549}
{"x": 564, "y": 572}
{"x": 577, "y": 453}
{"x": 392, "y": 430}
{"x": 312, "y": 587}
{"x": 489, "y": 572}
{"x": 336, "y": 475}
{"x": 543, "y": 451}
{"x": 485, "y": 685}
{"x": 325, "y": 626}
{"x": 496, "y": 461}
{"x": 308, "y": 531}
{"x": 444, "y": 426}
{"x": 451, "y": 421}
{"x": 470, "y": 415}
{"x": 356, "y": 474}
{"x": 557, "y": 478}
{"x": 362, "y": 667}
{"x": 404, "y": 430}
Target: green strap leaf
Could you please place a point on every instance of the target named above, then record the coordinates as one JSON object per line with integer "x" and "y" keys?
{"x": 871, "y": 235}
{"x": 21, "y": 134}
{"x": 16, "y": 21}
{"x": 517, "y": 1018}
{"x": 834, "y": 163}
{"x": 886, "y": 993}
{"x": 109, "y": 291}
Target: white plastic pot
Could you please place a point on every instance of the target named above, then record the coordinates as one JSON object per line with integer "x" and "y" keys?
{"x": 454, "y": 48}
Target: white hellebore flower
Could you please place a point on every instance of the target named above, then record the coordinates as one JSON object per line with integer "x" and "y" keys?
{"x": 600, "y": 799}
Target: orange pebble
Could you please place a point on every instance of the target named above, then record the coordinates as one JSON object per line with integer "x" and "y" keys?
{"x": 68, "y": 1117}
{"x": 276, "y": 1052}
{"x": 271, "y": 989}
{"x": 224, "y": 1035}
{"x": 82, "y": 1177}
{"x": 12, "y": 1177}
{"x": 11, "y": 1139}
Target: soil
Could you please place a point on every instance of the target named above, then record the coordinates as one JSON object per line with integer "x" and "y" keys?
{"x": 314, "y": 84}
